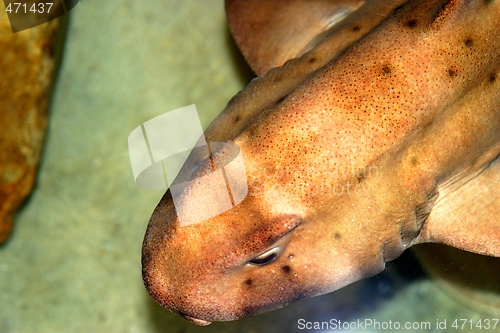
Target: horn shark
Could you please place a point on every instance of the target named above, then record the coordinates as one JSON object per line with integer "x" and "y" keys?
{"x": 373, "y": 126}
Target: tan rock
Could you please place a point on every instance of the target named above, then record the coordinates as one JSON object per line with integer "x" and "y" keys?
{"x": 26, "y": 70}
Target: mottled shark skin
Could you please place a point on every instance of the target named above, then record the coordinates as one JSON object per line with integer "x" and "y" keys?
{"x": 381, "y": 134}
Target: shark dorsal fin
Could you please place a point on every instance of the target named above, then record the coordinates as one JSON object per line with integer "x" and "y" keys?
{"x": 271, "y": 32}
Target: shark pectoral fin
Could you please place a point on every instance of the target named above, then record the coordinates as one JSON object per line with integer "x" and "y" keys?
{"x": 271, "y": 32}
{"x": 468, "y": 217}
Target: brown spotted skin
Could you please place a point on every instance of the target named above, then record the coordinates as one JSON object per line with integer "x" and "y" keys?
{"x": 347, "y": 150}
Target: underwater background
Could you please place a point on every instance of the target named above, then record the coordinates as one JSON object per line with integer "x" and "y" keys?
{"x": 73, "y": 261}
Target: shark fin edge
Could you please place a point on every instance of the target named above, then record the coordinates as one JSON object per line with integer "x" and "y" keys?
{"x": 269, "y": 33}
{"x": 468, "y": 217}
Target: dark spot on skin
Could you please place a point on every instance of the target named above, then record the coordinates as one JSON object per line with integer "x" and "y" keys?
{"x": 302, "y": 295}
{"x": 356, "y": 28}
{"x": 428, "y": 125}
{"x": 249, "y": 282}
{"x": 237, "y": 119}
{"x": 492, "y": 77}
{"x": 386, "y": 69}
{"x": 487, "y": 2}
{"x": 312, "y": 60}
{"x": 249, "y": 311}
{"x": 414, "y": 161}
{"x": 411, "y": 23}
{"x": 337, "y": 235}
{"x": 469, "y": 42}
{"x": 361, "y": 175}
{"x": 286, "y": 269}
{"x": 451, "y": 72}
{"x": 48, "y": 49}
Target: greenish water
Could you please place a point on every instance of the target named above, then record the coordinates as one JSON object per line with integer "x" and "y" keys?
{"x": 73, "y": 262}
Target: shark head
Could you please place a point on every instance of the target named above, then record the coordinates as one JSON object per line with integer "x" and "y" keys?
{"x": 269, "y": 250}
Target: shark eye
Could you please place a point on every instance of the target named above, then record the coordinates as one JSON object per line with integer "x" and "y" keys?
{"x": 266, "y": 257}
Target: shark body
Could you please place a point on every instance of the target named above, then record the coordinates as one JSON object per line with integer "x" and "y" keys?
{"x": 381, "y": 132}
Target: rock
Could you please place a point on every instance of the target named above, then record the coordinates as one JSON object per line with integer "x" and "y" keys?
{"x": 27, "y": 70}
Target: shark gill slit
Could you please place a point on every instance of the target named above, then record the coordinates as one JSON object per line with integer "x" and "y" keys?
{"x": 391, "y": 251}
{"x": 422, "y": 211}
